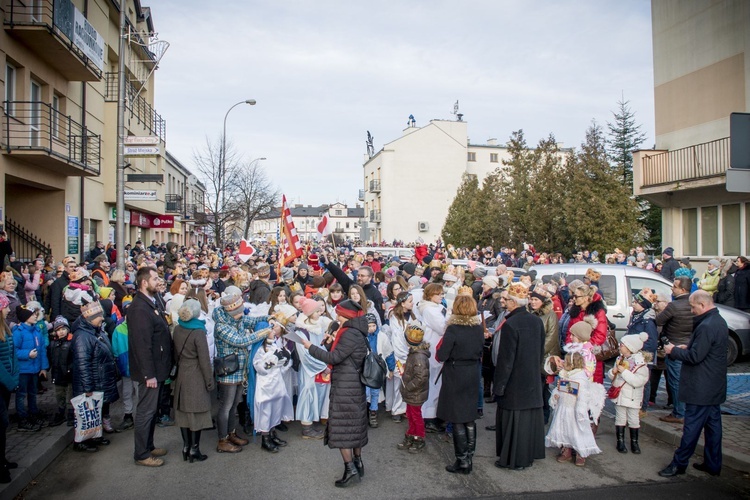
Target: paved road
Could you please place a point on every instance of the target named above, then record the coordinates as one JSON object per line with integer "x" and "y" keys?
{"x": 307, "y": 469}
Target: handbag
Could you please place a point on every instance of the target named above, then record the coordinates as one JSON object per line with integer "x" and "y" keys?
{"x": 374, "y": 371}
{"x": 609, "y": 349}
{"x": 226, "y": 365}
{"x": 613, "y": 392}
{"x": 175, "y": 368}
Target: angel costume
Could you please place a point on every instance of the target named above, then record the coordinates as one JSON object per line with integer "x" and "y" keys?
{"x": 433, "y": 317}
{"x": 572, "y": 400}
{"x": 314, "y": 387}
{"x": 272, "y": 402}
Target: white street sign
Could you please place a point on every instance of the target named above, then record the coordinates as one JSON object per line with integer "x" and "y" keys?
{"x": 142, "y": 141}
{"x": 142, "y": 150}
{"x": 140, "y": 195}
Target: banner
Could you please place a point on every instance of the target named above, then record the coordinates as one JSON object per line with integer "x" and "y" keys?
{"x": 324, "y": 226}
{"x": 290, "y": 245}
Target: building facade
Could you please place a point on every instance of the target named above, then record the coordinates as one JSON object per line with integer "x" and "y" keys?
{"x": 184, "y": 199}
{"x": 59, "y": 125}
{"x": 410, "y": 184}
{"x": 701, "y": 76}
{"x": 346, "y": 222}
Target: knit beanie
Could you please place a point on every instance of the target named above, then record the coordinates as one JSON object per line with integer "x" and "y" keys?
{"x": 371, "y": 319}
{"x": 410, "y": 268}
{"x": 309, "y": 306}
{"x": 479, "y": 272}
{"x": 349, "y": 309}
{"x": 60, "y": 322}
{"x": 23, "y": 313}
{"x": 635, "y": 342}
{"x": 582, "y": 330}
{"x": 231, "y": 302}
{"x": 642, "y": 300}
{"x": 190, "y": 309}
{"x": 491, "y": 281}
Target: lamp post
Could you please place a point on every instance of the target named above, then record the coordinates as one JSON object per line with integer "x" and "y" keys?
{"x": 222, "y": 163}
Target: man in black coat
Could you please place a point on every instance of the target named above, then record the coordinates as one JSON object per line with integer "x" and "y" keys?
{"x": 57, "y": 287}
{"x": 364, "y": 279}
{"x": 150, "y": 352}
{"x": 703, "y": 386}
{"x": 669, "y": 265}
{"x": 520, "y": 417}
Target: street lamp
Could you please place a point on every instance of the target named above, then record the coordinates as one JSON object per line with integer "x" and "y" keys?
{"x": 222, "y": 163}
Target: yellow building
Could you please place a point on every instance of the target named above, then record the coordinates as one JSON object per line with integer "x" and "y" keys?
{"x": 59, "y": 124}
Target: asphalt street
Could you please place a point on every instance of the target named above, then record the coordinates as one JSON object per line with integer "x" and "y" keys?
{"x": 307, "y": 469}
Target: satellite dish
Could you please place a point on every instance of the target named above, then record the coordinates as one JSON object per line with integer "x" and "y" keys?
{"x": 192, "y": 180}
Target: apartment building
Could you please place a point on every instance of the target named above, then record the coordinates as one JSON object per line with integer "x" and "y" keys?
{"x": 701, "y": 75}
{"x": 346, "y": 222}
{"x": 59, "y": 125}
{"x": 184, "y": 200}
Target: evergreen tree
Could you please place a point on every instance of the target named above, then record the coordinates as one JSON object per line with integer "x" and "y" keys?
{"x": 463, "y": 225}
{"x": 492, "y": 210}
{"x": 516, "y": 189}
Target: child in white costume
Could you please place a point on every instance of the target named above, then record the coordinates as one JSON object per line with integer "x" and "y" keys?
{"x": 272, "y": 401}
{"x": 629, "y": 375}
{"x": 572, "y": 400}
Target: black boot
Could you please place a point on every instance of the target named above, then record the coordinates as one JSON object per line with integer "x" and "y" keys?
{"x": 359, "y": 465}
{"x": 461, "y": 450}
{"x": 350, "y": 477}
{"x": 268, "y": 444}
{"x": 634, "y": 447}
{"x": 471, "y": 439}
{"x": 620, "y": 431}
{"x": 276, "y": 439}
{"x": 186, "y": 443}
{"x": 195, "y": 449}
{"x": 58, "y": 418}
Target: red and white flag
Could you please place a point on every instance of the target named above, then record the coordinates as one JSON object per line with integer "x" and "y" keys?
{"x": 246, "y": 250}
{"x": 324, "y": 226}
{"x": 290, "y": 245}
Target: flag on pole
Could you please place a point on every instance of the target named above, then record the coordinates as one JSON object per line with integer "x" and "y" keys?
{"x": 324, "y": 226}
{"x": 290, "y": 245}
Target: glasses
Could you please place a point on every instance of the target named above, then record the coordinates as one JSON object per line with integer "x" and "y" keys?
{"x": 578, "y": 296}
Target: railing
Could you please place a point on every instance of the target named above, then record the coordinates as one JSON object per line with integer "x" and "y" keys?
{"x": 173, "y": 204}
{"x": 709, "y": 159}
{"x": 374, "y": 215}
{"x": 139, "y": 108}
{"x": 37, "y": 126}
{"x": 374, "y": 186}
{"x": 42, "y": 13}
{"x": 26, "y": 245}
{"x": 195, "y": 212}
{"x": 361, "y": 196}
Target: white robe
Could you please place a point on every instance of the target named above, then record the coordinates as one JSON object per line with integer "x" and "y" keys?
{"x": 272, "y": 402}
{"x": 434, "y": 324}
{"x": 312, "y": 398}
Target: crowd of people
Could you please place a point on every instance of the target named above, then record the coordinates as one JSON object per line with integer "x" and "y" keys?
{"x": 286, "y": 343}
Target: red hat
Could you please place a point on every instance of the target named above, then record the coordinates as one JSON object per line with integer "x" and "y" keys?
{"x": 349, "y": 309}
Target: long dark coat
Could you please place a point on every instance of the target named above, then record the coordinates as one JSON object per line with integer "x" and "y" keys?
{"x": 195, "y": 377}
{"x": 149, "y": 342}
{"x": 347, "y": 414}
{"x": 93, "y": 362}
{"x": 742, "y": 288}
{"x": 519, "y": 357}
{"x": 460, "y": 351}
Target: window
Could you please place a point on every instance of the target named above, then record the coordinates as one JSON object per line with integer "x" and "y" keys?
{"x": 55, "y": 116}
{"x": 35, "y": 118}
{"x": 730, "y": 229}
{"x": 347, "y": 225}
{"x": 709, "y": 231}
{"x": 337, "y": 212}
{"x": 493, "y": 157}
{"x": 635, "y": 285}
{"x": 10, "y": 88}
{"x": 472, "y": 157}
{"x": 690, "y": 231}
{"x": 607, "y": 286}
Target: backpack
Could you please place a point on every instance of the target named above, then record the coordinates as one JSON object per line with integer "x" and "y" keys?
{"x": 374, "y": 371}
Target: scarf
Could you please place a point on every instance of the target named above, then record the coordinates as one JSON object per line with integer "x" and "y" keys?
{"x": 193, "y": 324}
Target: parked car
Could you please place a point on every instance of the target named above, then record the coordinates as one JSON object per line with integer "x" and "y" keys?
{"x": 403, "y": 253}
{"x": 491, "y": 270}
{"x": 618, "y": 284}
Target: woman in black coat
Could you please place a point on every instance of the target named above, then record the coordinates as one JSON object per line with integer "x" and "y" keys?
{"x": 460, "y": 351}
{"x": 347, "y": 415}
{"x": 742, "y": 285}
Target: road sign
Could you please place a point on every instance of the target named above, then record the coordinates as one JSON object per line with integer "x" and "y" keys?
{"x": 145, "y": 177}
{"x": 142, "y": 151}
{"x": 134, "y": 140}
{"x": 140, "y": 194}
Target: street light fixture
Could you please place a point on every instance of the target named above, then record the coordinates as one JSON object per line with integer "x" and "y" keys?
{"x": 222, "y": 163}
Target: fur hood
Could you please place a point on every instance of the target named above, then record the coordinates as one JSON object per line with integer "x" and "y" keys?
{"x": 457, "y": 319}
{"x": 596, "y": 305}
{"x": 423, "y": 348}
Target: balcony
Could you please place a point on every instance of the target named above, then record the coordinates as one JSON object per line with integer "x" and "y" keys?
{"x": 374, "y": 215}
{"x": 195, "y": 212}
{"x": 361, "y": 196}
{"x": 694, "y": 166}
{"x": 173, "y": 204}
{"x": 35, "y": 24}
{"x": 39, "y": 134}
{"x": 338, "y": 230}
{"x": 375, "y": 186}
{"x": 139, "y": 108}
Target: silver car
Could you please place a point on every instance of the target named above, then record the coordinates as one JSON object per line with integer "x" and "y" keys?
{"x": 618, "y": 284}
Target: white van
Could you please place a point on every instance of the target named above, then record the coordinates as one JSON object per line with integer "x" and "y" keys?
{"x": 403, "y": 253}
{"x": 618, "y": 284}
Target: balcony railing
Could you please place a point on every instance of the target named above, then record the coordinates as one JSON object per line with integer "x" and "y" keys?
{"x": 374, "y": 215}
{"x": 173, "y": 204}
{"x": 195, "y": 212}
{"x": 139, "y": 108}
{"x": 34, "y": 127}
{"x": 701, "y": 161}
{"x": 361, "y": 196}
{"x": 36, "y": 24}
{"x": 374, "y": 186}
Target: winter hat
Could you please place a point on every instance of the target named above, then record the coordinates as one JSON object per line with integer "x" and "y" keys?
{"x": 191, "y": 309}
{"x": 683, "y": 271}
{"x": 232, "y": 290}
{"x": 126, "y": 300}
{"x": 410, "y": 268}
{"x": 540, "y": 292}
{"x": 685, "y": 261}
{"x": 349, "y": 309}
{"x": 414, "y": 335}
{"x": 231, "y": 302}
{"x": 302, "y": 266}
{"x": 60, "y": 322}
{"x": 371, "y": 319}
{"x": 23, "y": 313}
{"x": 715, "y": 263}
{"x": 415, "y": 282}
{"x": 491, "y": 281}
{"x": 34, "y": 306}
{"x": 634, "y": 343}
{"x": 479, "y": 272}
{"x": 287, "y": 274}
{"x": 449, "y": 278}
{"x": 92, "y": 310}
{"x": 582, "y": 330}
{"x": 309, "y": 306}
{"x": 264, "y": 270}
{"x": 644, "y": 299}
{"x": 668, "y": 251}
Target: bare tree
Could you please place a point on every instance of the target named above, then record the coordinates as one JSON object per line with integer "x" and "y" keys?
{"x": 218, "y": 170}
{"x": 256, "y": 195}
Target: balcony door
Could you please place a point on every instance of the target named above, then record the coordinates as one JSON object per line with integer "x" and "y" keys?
{"x": 35, "y": 115}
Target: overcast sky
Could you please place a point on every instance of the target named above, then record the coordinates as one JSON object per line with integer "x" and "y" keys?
{"x": 325, "y": 72}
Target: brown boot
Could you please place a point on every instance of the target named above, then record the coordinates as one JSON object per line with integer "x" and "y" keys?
{"x": 226, "y": 446}
{"x": 235, "y": 439}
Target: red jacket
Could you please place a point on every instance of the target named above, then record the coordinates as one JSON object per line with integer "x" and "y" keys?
{"x": 598, "y": 309}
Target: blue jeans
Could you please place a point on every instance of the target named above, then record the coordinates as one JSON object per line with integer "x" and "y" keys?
{"x": 27, "y": 389}
{"x": 373, "y": 395}
{"x": 699, "y": 418}
{"x": 673, "y": 370}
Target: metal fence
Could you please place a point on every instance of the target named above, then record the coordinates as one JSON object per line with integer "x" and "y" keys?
{"x": 699, "y": 161}
{"x": 139, "y": 108}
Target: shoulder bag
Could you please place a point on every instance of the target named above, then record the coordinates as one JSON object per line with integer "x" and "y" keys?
{"x": 226, "y": 365}
{"x": 176, "y": 366}
{"x": 609, "y": 349}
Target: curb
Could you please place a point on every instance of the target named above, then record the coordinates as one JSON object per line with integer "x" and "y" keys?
{"x": 672, "y": 435}
{"x": 36, "y": 461}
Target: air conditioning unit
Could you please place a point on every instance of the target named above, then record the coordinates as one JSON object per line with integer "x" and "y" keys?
{"x": 424, "y": 226}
